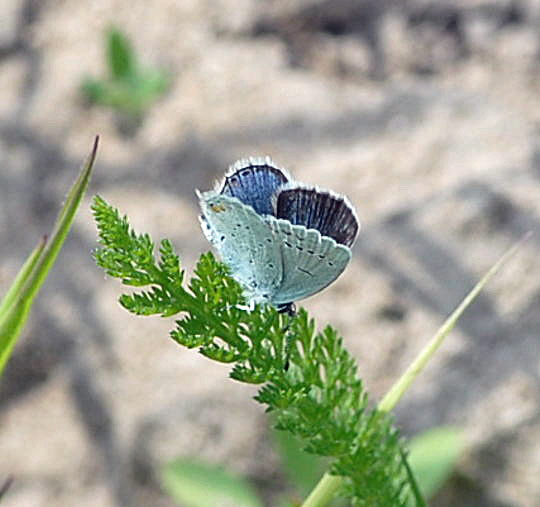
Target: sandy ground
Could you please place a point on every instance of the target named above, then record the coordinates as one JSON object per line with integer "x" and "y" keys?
{"x": 426, "y": 114}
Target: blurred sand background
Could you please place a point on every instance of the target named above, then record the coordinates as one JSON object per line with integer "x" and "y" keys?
{"x": 425, "y": 113}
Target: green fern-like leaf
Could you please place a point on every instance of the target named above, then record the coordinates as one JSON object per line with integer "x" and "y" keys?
{"x": 308, "y": 379}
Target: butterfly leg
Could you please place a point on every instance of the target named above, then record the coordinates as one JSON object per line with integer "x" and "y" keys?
{"x": 288, "y": 308}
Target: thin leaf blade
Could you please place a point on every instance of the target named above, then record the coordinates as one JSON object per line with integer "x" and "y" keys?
{"x": 36, "y": 269}
{"x": 21, "y": 278}
{"x": 395, "y": 393}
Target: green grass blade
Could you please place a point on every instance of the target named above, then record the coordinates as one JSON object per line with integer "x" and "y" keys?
{"x": 327, "y": 487}
{"x": 21, "y": 277}
{"x": 12, "y": 316}
{"x": 63, "y": 222}
{"x": 36, "y": 269}
{"x": 11, "y": 325}
{"x": 401, "y": 386}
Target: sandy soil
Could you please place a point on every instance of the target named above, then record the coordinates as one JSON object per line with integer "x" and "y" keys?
{"x": 426, "y": 114}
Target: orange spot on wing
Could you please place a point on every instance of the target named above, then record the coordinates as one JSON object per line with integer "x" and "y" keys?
{"x": 218, "y": 208}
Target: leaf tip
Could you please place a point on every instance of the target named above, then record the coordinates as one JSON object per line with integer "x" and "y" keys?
{"x": 94, "y": 147}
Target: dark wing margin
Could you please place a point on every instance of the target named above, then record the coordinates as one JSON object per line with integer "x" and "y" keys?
{"x": 330, "y": 214}
{"x": 253, "y": 182}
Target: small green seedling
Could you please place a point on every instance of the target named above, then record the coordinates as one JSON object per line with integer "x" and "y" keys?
{"x": 128, "y": 89}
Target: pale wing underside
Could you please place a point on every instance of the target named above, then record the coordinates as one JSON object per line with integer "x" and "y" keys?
{"x": 245, "y": 242}
{"x": 310, "y": 261}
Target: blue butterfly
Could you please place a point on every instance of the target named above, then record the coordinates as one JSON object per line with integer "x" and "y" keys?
{"x": 282, "y": 240}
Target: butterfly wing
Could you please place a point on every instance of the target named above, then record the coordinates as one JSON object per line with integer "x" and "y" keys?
{"x": 331, "y": 214}
{"x": 254, "y": 181}
{"x": 311, "y": 262}
{"x": 245, "y": 243}
{"x": 282, "y": 240}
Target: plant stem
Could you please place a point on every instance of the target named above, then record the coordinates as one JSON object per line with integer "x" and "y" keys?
{"x": 329, "y": 484}
{"x": 324, "y": 491}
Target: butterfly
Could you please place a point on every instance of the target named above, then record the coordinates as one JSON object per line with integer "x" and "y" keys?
{"x": 282, "y": 240}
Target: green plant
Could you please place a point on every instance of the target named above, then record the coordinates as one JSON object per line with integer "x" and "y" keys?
{"x": 16, "y": 304}
{"x": 432, "y": 455}
{"x": 128, "y": 89}
{"x": 187, "y": 479}
{"x": 308, "y": 379}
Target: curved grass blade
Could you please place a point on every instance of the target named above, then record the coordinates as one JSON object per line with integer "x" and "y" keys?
{"x": 12, "y": 315}
{"x": 21, "y": 277}
{"x": 329, "y": 484}
{"x": 416, "y": 367}
{"x": 17, "y": 303}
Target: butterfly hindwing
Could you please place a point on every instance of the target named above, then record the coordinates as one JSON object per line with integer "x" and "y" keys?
{"x": 311, "y": 262}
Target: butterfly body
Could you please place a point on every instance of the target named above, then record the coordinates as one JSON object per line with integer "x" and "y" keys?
{"x": 283, "y": 241}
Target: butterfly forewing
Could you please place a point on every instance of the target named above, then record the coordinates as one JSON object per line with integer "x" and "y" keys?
{"x": 245, "y": 243}
{"x": 254, "y": 182}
